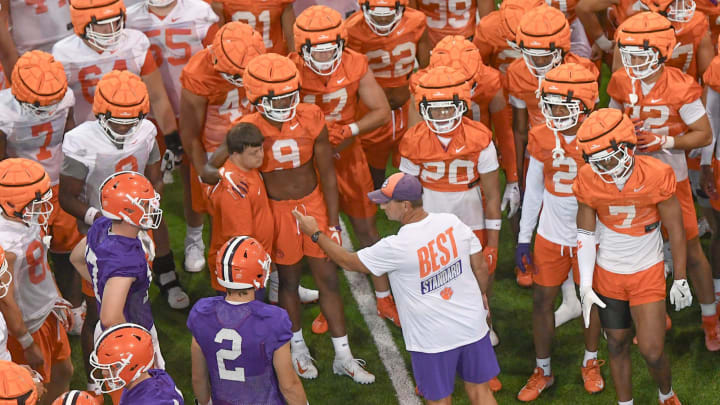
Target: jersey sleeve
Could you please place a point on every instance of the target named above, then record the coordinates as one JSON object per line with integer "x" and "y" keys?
{"x": 313, "y": 119}
{"x": 154, "y": 154}
{"x": 582, "y": 186}
{"x": 665, "y": 183}
{"x": 192, "y": 77}
{"x": 615, "y": 87}
{"x": 74, "y": 168}
{"x": 149, "y": 64}
{"x": 711, "y": 77}
{"x": 283, "y": 333}
{"x": 382, "y": 257}
{"x": 487, "y": 159}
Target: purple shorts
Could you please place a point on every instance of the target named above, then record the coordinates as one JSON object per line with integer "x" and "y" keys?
{"x": 435, "y": 372}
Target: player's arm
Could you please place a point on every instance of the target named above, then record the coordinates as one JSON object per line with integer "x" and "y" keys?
{"x": 504, "y": 136}
{"x": 373, "y": 96}
{"x": 480, "y": 269}
{"x": 288, "y": 380}
{"x": 210, "y": 173}
{"x": 3, "y": 145}
{"x": 200, "y": 380}
{"x": 159, "y": 102}
{"x": 520, "y": 134}
{"x": 16, "y": 326}
{"x": 490, "y": 185}
{"x": 72, "y": 183}
{"x": 70, "y": 121}
{"x": 219, "y": 9}
{"x": 671, "y": 217}
{"x": 699, "y": 133}
{"x": 288, "y": 22}
{"x": 711, "y": 99}
{"x": 532, "y": 200}
{"x": 705, "y": 54}
{"x": 153, "y": 170}
{"x": 328, "y": 180}
{"x": 192, "y": 121}
{"x": 77, "y": 258}
{"x": 8, "y": 51}
{"x": 113, "y": 301}
{"x": 484, "y": 7}
{"x": 586, "y": 254}
{"x": 586, "y": 11}
{"x": 424, "y": 46}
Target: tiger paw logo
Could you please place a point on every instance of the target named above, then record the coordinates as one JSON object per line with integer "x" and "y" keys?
{"x": 446, "y": 293}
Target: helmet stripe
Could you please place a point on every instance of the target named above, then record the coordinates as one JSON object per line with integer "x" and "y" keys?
{"x": 72, "y": 398}
{"x": 228, "y": 256}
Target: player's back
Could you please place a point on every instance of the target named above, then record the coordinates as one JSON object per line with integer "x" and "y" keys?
{"x": 265, "y": 17}
{"x": 85, "y": 66}
{"x": 38, "y": 24}
{"x": 30, "y": 138}
{"x": 159, "y": 389}
{"x": 448, "y": 17}
{"x": 689, "y": 35}
{"x": 238, "y": 342}
{"x": 109, "y": 255}
{"x": 493, "y": 47}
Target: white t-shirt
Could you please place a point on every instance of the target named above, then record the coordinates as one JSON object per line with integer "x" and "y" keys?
{"x": 438, "y": 298}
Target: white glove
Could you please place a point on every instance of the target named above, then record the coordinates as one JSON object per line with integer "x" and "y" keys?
{"x": 680, "y": 294}
{"x": 588, "y": 298}
{"x": 511, "y": 199}
{"x": 62, "y": 311}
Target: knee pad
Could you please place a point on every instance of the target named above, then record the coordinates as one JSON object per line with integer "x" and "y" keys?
{"x": 616, "y": 314}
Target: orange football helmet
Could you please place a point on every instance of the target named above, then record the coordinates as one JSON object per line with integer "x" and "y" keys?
{"x": 443, "y": 96}
{"x": 16, "y": 385}
{"x": 382, "y": 16}
{"x": 571, "y": 86}
{"x": 122, "y": 353}
{"x": 130, "y": 197}
{"x": 234, "y": 45}
{"x": 457, "y": 52}
{"x": 272, "y": 84}
{"x": 242, "y": 263}
{"x": 646, "y": 40}
{"x": 75, "y": 397}
{"x": 320, "y": 37}
{"x": 680, "y": 11}
{"x": 511, "y": 11}
{"x": 121, "y": 102}
{"x": 543, "y": 36}
{"x": 5, "y": 275}
{"x": 38, "y": 83}
{"x": 86, "y": 14}
{"x": 25, "y": 191}
{"x": 607, "y": 140}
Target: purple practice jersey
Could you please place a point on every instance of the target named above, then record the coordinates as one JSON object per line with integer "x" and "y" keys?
{"x": 109, "y": 256}
{"x": 159, "y": 389}
{"x": 238, "y": 342}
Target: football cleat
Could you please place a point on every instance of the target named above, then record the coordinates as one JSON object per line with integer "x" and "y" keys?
{"x": 386, "y": 309}
{"x": 234, "y": 45}
{"x": 674, "y": 400}
{"x": 121, "y": 102}
{"x": 592, "y": 377}
{"x": 524, "y": 280}
{"x": 130, "y": 197}
{"x": 607, "y": 140}
{"x": 537, "y": 383}
{"x": 712, "y": 332}
{"x": 194, "y": 255}
{"x": 319, "y": 324}
{"x": 303, "y": 363}
{"x": 566, "y": 312}
{"x": 320, "y": 37}
{"x": 646, "y": 40}
{"x": 353, "y": 368}
{"x": 272, "y": 84}
{"x": 442, "y": 96}
{"x": 494, "y": 338}
{"x": 495, "y": 384}
{"x": 25, "y": 191}
{"x": 307, "y": 295}
{"x": 85, "y": 15}
{"x": 543, "y": 37}
{"x": 38, "y": 84}
{"x": 16, "y": 384}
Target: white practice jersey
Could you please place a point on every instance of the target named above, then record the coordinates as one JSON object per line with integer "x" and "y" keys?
{"x": 89, "y": 145}
{"x": 33, "y": 283}
{"x": 38, "y": 24}
{"x": 4, "y": 353}
{"x": 33, "y": 139}
{"x": 176, "y": 37}
{"x": 84, "y": 66}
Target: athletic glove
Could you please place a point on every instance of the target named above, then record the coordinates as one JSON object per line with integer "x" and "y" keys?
{"x": 650, "y": 142}
{"x": 335, "y": 234}
{"x": 490, "y": 254}
{"x": 523, "y": 258}
{"x": 511, "y": 199}
{"x": 680, "y": 294}
{"x": 62, "y": 311}
{"x": 587, "y": 299}
{"x": 172, "y": 157}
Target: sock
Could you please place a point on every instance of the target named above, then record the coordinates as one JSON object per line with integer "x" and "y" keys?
{"x": 382, "y": 294}
{"x": 589, "y": 356}
{"x": 665, "y": 397}
{"x": 716, "y": 283}
{"x": 342, "y": 347}
{"x": 630, "y": 402}
{"x": 569, "y": 296}
{"x": 544, "y": 364}
{"x": 297, "y": 341}
{"x": 194, "y": 232}
{"x": 273, "y": 287}
{"x": 708, "y": 309}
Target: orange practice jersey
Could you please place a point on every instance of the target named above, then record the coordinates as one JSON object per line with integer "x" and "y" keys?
{"x": 632, "y": 210}
{"x": 493, "y": 47}
{"x": 448, "y": 17}
{"x": 711, "y": 77}
{"x": 624, "y": 9}
{"x": 294, "y": 144}
{"x": 226, "y": 103}
{"x": 566, "y": 6}
{"x": 446, "y": 169}
{"x": 559, "y": 176}
{"x": 391, "y": 58}
{"x": 523, "y": 85}
{"x": 688, "y": 36}
{"x": 264, "y": 16}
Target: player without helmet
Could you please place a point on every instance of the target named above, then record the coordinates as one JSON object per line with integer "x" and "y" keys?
{"x": 544, "y": 39}
{"x": 129, "y": 196}
{"x": 100, "y": 22}
{"x": 121, "y": 102}
{"x": 38, "y": 84}
{"x": 272, "y": 84}
{"x": 320, "y": 37}
{"x": 382, "y": 16}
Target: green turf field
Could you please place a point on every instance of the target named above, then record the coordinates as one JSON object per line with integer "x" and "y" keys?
{"x": 695, "y": 370}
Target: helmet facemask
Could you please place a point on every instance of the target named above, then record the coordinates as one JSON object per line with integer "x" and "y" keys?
{"x": 39, "y": 112}
{"x": 390, "y": 17}
{"x": 280, "y": 108}
{"x": 111, "y": 40}
{"x": 325, "y": 58}
{"x": 640, "y": 62}
{"x": 152, "y": 213}
{"x": 37, "y": 211}
{"x": 159, "y": 3}
{"x": 548, "y": 59}
{"x": 681, "y": 11}
{"x": 116, "y": 136}
{"x": 555, "y": 118}
{"x": 7, "y": 275}
{"x": 236, "y": 79}
{"x": 613, "y": 165}
{"x": 442, "y": 117}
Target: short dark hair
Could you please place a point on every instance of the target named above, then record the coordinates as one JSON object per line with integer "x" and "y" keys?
{"x": 241, "y": 292}
{"x": 243, "y": 135}
{"x": 416, "y": 203}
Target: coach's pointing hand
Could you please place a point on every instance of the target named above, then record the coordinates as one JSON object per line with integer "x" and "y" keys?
{"x": 308, "y": 225}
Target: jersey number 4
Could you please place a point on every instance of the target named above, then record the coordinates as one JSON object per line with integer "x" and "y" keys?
{"x": 238, "y": 373}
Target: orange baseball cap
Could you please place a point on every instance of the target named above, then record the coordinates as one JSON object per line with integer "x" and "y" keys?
{"x": 398, "y": 187}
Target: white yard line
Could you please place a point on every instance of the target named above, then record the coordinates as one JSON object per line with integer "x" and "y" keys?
{"x": 389, "y": 353}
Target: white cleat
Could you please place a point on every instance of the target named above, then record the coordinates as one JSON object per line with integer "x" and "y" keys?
{"x": 194, "y": 255}
{"x": 303, "y": 363}
{"x": 177, "y": 298}
{"x": 494, "y": 338}
{"x": 567, "y": 311}
{"x": 307, "y": 295}
{"x": 353, "y": 368}
{"x": 78, "y": 318}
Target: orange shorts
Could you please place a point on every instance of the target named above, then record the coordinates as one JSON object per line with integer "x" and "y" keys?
{"x": 53, "y": 343}
{"x": 639, "y": 288}
{"x": 354, "y": 182}
{"x": 290, "y": 244}
{"x": 553, "y": 262}
{"x": 716, "y": 173}
{"x": 383, "y": 141}
{"x": 683, "y": 192}
{"x": 481, "y": 235}
{"x": 197, "y": 192}
{"x": 62, "y": 226}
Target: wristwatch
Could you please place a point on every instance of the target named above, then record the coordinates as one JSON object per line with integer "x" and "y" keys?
{"x": 314, "y": 237}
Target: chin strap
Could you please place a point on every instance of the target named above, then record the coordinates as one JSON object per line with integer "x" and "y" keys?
{"x": 633, "y": 95}
{"x": 558, "y": 153}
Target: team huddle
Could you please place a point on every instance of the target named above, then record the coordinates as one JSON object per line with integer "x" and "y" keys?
{"x": 274, "y": 110}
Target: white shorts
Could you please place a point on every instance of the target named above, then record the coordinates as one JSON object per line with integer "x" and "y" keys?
{"x": 466, "y": 205}
{"x": 159, "y": 360}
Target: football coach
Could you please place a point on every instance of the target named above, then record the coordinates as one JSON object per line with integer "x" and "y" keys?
{"x": 438, "y": 276}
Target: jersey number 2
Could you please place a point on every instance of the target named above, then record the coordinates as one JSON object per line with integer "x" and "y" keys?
{"x": 237, "y": 374}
